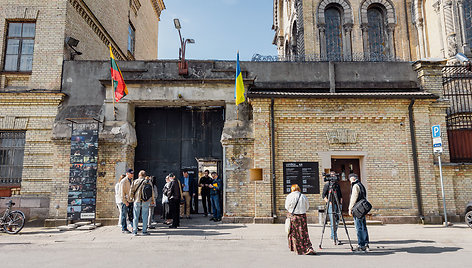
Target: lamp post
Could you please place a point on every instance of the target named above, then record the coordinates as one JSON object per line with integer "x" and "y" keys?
{"x": 183, "y": 65}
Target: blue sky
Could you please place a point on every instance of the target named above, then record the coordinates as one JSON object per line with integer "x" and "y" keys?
{"x": 219, "y": 27}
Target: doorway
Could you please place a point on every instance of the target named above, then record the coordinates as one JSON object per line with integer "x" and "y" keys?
{"x": 171, "y": 139}
{"x": 344, "y": 167}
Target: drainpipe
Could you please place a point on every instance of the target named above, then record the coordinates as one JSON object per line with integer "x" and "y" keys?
{"x": 415, "y": 159}
{"x": 272, "y": 129}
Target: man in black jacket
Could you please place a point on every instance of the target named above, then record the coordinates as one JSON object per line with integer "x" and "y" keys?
{"x": 174, "y": 195}
{"x": 204, "y": 182}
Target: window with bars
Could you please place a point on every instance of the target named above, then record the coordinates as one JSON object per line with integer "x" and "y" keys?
{"x": 19, "y": 47}
{"x": 12, "y": 149}
{"x": 334, "y": 41}
{"x": 131, "y": 39}
{"x": 377, "y": 33}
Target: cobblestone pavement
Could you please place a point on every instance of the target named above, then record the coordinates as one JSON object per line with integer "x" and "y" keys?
{"x": 202, "y": 244}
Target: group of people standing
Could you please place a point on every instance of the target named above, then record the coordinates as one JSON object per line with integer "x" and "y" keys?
{"x": 133, "y": 201}
{"x": 297, "y": 204}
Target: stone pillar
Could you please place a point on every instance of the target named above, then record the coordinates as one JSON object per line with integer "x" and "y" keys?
{"x": 465, "y": 45}
{"x": 430, "y": 75}
{"x": 347, "y": 42}
{"x": 391, "y": 42}
{"x": 437, "y": 9}
{"x": 450, "y": 34}
{"x": 426, "y": 114}
{"x": 322, "y": 30}
{"x": 365, "y": 40}
{"x": 420, "y": 30}
{"x": 262, "y": 155}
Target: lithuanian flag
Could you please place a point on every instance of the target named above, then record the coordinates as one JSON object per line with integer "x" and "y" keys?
{"x": 239, "y": 86}
{"x": 119, "y": 85}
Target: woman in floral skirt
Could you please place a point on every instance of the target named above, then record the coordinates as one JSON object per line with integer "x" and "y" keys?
{"x": 298, "y": 238}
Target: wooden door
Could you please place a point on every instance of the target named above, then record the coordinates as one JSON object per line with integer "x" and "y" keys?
{"x": 344, "y": 167}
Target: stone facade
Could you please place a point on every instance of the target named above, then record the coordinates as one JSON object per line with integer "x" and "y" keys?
{"x": 413, "y": 29}
{"x": 375, "y": 125}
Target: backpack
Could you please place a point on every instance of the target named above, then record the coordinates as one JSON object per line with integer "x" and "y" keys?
{"x": 146, "y": 192}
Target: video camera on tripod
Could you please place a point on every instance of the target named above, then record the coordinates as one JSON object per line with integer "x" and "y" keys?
{"x": 331, "y": 177}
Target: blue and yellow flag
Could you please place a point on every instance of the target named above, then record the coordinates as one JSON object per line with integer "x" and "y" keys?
{"x": 239, "y": 86}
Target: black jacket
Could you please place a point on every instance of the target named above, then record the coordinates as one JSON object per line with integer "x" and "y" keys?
{"x": 173, "y": 192}
{"x": 192, "y": 189}
{"x": 205, "y": 180}
{"x": 335, "y": 187}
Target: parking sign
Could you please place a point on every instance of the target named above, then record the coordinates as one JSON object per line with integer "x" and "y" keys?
{"x": 436, "y": 131}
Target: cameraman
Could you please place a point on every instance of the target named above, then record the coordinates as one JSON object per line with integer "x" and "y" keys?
{"x": 332, "y": 208}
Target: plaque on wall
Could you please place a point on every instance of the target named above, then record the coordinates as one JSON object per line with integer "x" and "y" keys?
{"x": 305, "y": 174}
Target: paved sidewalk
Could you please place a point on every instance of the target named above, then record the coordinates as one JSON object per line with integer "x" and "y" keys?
{"x": 202, "y": 244}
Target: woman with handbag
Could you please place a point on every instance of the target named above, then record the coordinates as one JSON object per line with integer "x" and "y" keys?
{"x": 297, "y": 204}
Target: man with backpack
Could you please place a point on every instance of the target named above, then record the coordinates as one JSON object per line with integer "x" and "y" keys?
{"x": 143, "y": 195}
{"x": 359, "y": 194}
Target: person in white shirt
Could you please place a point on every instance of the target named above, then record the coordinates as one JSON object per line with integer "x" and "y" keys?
{"x": 297, "y": 204}
{"x": 118, "y": 197}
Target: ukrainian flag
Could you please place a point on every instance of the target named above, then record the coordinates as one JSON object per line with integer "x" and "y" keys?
{"x": 239, "y": 86}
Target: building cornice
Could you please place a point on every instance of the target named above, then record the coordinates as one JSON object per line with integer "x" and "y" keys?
{"x": 87, "y": 14}
{"x": 158, "y": 6}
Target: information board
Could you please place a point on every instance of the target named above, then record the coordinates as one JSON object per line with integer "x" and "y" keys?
{"x": 305, "y": 174}
{"x": 83, "y": 172}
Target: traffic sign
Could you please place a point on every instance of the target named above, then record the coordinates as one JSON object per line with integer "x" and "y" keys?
{"x": 436, "y": 131}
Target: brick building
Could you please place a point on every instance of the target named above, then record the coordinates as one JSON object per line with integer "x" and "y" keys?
{"x": 348, "y": 114}
{"x": 35, "y": 38}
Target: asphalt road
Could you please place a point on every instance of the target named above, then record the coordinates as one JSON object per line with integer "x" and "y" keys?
{"x": 202, "y": 244}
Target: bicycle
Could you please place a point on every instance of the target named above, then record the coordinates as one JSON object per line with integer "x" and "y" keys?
{"x": 12, "y": 221}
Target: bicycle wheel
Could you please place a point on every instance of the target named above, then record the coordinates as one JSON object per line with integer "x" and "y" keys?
{"x": 14, "y": 222}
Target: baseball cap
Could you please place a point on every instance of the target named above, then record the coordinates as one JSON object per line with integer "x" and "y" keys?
{"x": 130, "y": 171}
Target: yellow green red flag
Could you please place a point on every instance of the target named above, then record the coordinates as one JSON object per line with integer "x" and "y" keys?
{"x": 119, "y": 86}
{"x": 239, "y": 86}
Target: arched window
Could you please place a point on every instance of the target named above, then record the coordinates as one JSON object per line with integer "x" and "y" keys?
{"x": 376, "y": 24}
{"x": 468, "y": 21}
{"x": 334, "y": 36}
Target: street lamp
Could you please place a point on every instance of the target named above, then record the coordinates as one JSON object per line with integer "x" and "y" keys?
{"x": 183, "y": 65}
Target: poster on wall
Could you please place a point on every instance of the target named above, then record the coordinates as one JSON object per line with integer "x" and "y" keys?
{"x": 83, "y": 172}
{"x": 305, "y": 174}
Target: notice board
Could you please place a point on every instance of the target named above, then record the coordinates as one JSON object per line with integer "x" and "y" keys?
{"x": 305, "y": 174}
{"x": 83, "y": 172}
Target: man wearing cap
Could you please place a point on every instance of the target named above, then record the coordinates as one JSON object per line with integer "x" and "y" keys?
{"x": 125, "y": 186}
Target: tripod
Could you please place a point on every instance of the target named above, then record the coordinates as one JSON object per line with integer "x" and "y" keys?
{"x": 334, "y": 201}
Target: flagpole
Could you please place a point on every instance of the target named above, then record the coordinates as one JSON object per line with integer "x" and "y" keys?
{"x": 113, "y": 96}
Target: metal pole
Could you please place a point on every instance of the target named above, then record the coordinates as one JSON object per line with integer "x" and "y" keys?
{"x": 255, "y": 203}
{"x": 442, "y": 189}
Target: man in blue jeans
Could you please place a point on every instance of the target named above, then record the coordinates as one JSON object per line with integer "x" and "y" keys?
{"x": 215, "y": 187}
{"x": 359, "y": 192}
{"x": 141, "y": 205}
{"x": 332, "y": 208}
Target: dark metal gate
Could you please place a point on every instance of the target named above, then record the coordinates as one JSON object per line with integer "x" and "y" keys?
{"x": 457, "y": 86}
{"x": 170, "y": 139}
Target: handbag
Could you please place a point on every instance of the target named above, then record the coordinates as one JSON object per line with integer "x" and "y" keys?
{"x": 287, "y": 220}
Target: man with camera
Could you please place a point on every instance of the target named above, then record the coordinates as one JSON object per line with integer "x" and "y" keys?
{"x": 332, "y": 206}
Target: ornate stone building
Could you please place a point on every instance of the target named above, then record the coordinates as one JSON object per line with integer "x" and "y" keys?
{"x": 35, "y": 39}
{"x": 372, "y": 30}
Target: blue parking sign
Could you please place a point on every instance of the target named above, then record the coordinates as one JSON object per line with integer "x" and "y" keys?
{"x": 436, "y": 131}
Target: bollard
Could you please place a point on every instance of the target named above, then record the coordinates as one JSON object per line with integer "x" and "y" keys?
{"x": 321, "y": 214}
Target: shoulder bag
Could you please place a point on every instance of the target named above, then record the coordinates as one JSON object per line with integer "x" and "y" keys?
{"x": 287, "y": 220}
{"x": 361, "y": 207}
